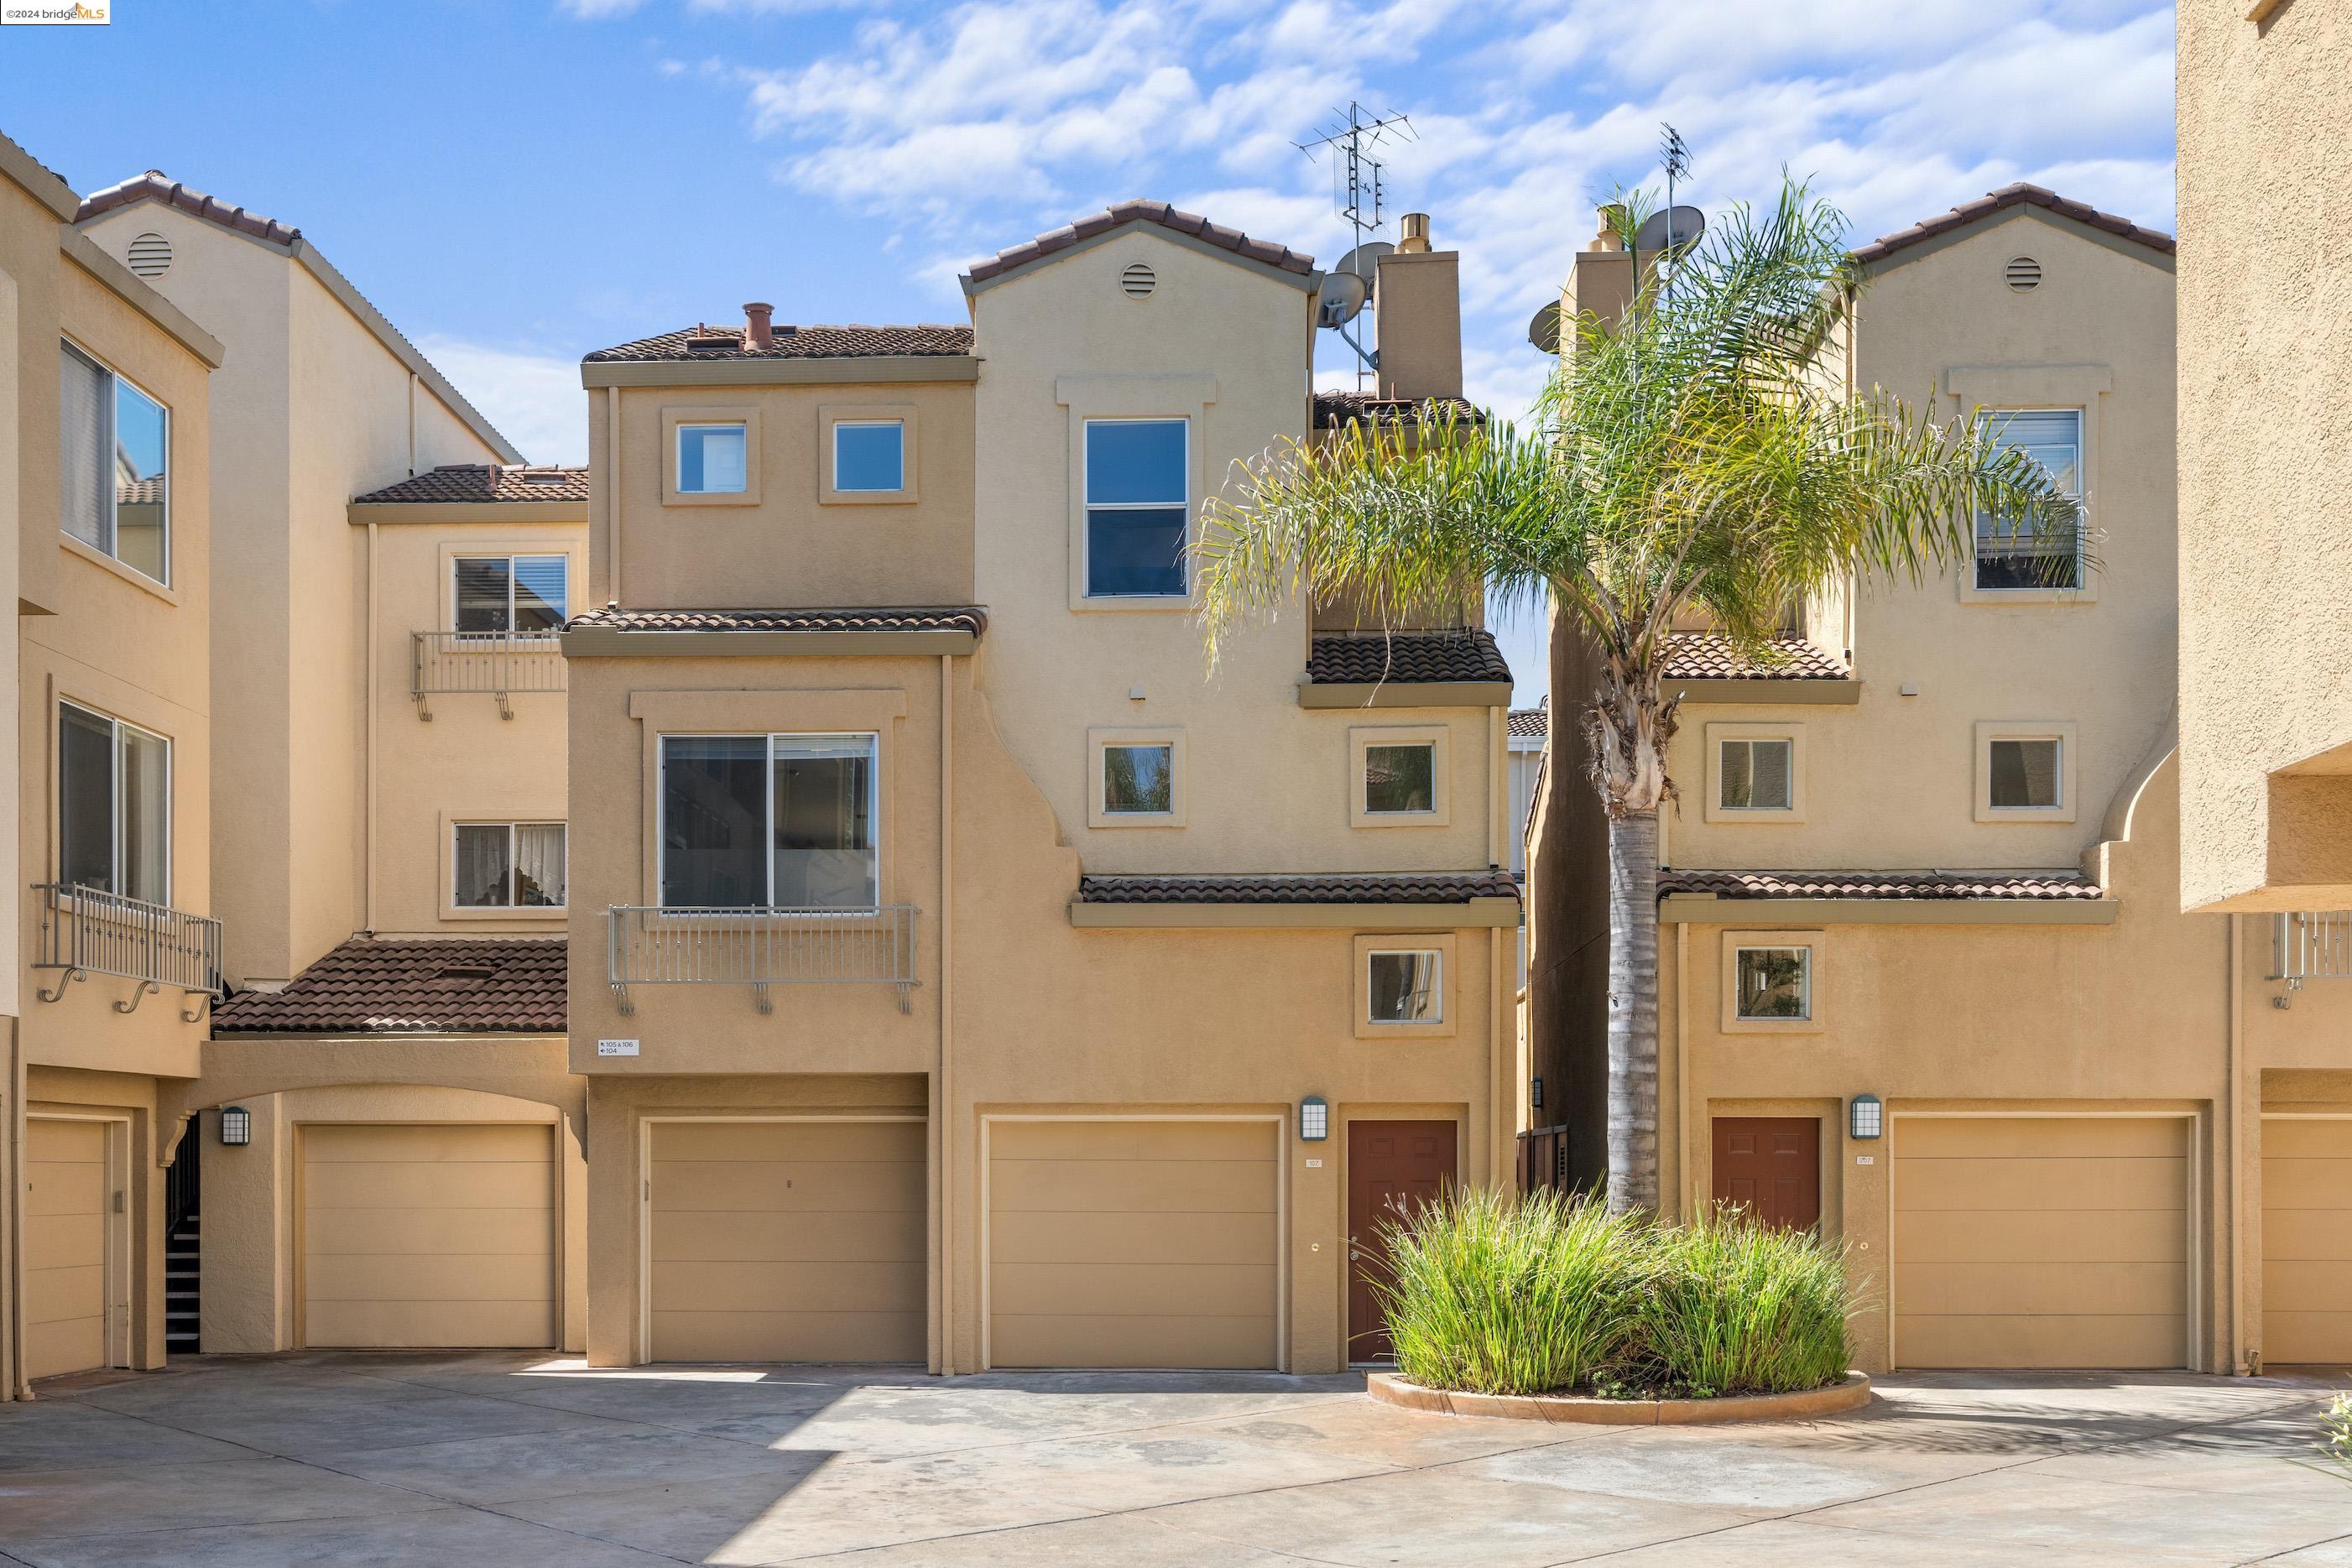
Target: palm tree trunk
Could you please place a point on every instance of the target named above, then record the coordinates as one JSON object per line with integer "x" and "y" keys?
{"x": 1633, "y": 1012}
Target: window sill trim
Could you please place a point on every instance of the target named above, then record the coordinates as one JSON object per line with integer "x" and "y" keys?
{"x": 130, "y": 574}
{"x": 1131, "y": 603}
{"x": 537, "y": 913}
{"x": 2087, "y": 594}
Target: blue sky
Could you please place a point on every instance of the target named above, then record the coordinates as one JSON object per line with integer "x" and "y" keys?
{"x": 517, "y": 184}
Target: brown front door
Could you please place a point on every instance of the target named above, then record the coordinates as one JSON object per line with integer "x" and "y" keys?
{"x": 1391, "y": 1167}
{"x": 1771, "y": 1165}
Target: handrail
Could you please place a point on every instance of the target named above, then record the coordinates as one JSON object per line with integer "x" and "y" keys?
{"x": 2309, "y": 945}
{"x": 761, "y": 947}
{"x": 88, "y": 931}
{"x": 494, "y": 662}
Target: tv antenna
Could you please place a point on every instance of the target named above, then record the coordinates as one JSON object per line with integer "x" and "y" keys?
{"x": 1359, "y": 190}
{"x": 1674, "y": 153}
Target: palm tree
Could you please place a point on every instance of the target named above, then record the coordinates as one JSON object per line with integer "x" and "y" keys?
{"x": 1692, "y": 458}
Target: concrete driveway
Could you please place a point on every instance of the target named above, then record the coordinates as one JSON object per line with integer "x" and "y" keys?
{"x": 516, "y": 1461}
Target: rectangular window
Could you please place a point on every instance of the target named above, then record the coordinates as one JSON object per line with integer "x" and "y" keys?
{"x": 1756, "y": 775}
{"x": 2013, "y": 555}
{"x": 1137, "y": 502}
{"x": 869, "y": 455}
{"x": 1405, "y": 986}
{"x": 2025, "y": 775}
{"x": 1139, "y": 780}
{"x": 770, "y": 822}
{"x": 114, "y": 450}
{"x": 1775, "y": 983}
{"x": 507, "y": 866}
{"x": 712, "y": 459}
{"x": 510, "y": 593}
{"x": 114, "y": 806}
{"x": 1401, "y": 780}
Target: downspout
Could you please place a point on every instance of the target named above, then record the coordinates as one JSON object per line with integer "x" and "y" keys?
{"x": 2240, "y": 1359}
{"x": 945, "y": 1109}
{"x": 20, "y": 1385}
{"x": 1682, "y": 1070}
{"x": 1502, "y": 1055}
{"x": 367, "y": 879}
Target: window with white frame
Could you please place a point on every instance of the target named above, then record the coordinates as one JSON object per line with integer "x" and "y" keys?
{"x": 1756, "y": 774}
{"x": 2025, "y": 773}
{"x": 1138, "y": 778}
{"x": 1137, "y": 502}
{"x": 713, "y": 459}
{"x": 1404, "y": 985}
{"x": 114, "y": 450}
{"x": 114, "y": 806}
{"x": 493, "y": 594}
{"x": 869, "y": 455}
{"x": 1774, "y": 983}
{"x": 784, "y": 821}
{"x": 1400, "y": 778}
{"x": 2013, "y": 553}
{"x": 507, "y": 866}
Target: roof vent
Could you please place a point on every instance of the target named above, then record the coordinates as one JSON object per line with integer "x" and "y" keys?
{"x": 465, "y": 972}
{"x": 706, "y": 340}
{"x": 151, "y": 255}
{"x": 543, "y": 476}
{"x": 2025, "y": 274}
{"x": 1138, "y": 281}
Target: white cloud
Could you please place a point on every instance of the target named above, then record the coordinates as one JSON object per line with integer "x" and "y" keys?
{"x": 534, "y": 400}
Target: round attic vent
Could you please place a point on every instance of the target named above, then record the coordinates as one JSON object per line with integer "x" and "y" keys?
{"x": 151, "y": 255}
{"x": 1138, "y": 281}
{"x": 2023, "y": 273}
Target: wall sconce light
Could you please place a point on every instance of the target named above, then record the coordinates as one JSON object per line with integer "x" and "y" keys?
{"x": 1864, "y": 1117}
{"x": 1314, "y": 1120}
{"x": 236, "y": 1127}
{"x": 1535, "y": 1092}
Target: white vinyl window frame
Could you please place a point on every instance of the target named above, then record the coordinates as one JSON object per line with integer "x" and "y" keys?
{"x": 1994, "y": 420}
{"x": 1087, "y": 506}
{"x": 1437, "y": 738}
{"x": 678, "y": 456}
{"x": 839, "y": 425}
{"x": 1735, "y": 943}
{"x": 2061, "y": 732}
{"x": 512, "y": 827}
{"x": 118, "y": 820}
{"x": 1720, "y": 736}
{"x": 1804, "y": 957}
{"x": 457, "y": 561}
{"x": 1100, "y": 744}
{"x": 115, "y": 381}
{"x": 768, "y": 799}
{"x": 1368, "y": 959}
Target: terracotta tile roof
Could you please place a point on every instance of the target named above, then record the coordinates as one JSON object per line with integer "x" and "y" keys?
{"x": 1361, "y": 658}
{"x": 2014, "y": 196}
{"x": 851, "y": 342}
{"x": 155, "y": 183}
{"x": 1378, "y": 887}
{"x": 1158, "y": 212}
{"x": 887, "y": 618}
{"x": 1939, "y": 885}
{"x": 463, "y": 482}
{"x": 1335, "y": 409}
{"x": 1532, "y": 723}
{"x": 497, "y": 985}
{"x": 1709, "y": 657}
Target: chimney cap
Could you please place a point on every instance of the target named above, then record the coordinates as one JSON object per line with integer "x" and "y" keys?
{"x": 1414, "y": 230}
{"x": 759, "y": 329}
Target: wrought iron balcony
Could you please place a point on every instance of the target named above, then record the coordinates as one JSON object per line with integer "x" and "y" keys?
{"x": 496, "y": 663}
{"x": 760, "y": 947}
{"x": 86, "y": 932}
{"x": 2309, "y": 945}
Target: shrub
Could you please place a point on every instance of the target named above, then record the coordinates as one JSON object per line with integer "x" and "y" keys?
{"x": 2340, "y": 1428}
{"x": 1734, "y": 1306}
{"x": 1494, "y": 1294}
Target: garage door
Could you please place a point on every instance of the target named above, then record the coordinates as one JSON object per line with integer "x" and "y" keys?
{"x": 2306, "y": 1242}
{"x": 1146, "y": 1244}
{"x": 789, "y": 1242}
{"x": 65, "y": 1247}
{"x": 2035, "y": 1241}
{"x": 428, "y": 1235}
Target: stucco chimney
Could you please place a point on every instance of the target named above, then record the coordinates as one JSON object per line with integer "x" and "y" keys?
{"x": 1417, "y": 300}
{"x": 759, "y": 329}
{"x": 1414, "y": 230}
{"x": 1600, "y": 283}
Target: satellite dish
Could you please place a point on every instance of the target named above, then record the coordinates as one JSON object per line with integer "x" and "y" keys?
{"x": 1342, "y": 295}
{"x": 1678, "y": 228}
{"x": 1543, "y": 329}
{"x": 1364, "y": 261}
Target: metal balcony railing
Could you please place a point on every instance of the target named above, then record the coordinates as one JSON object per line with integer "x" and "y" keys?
{"x": 85, "y": 931}
{"x": 498, "y": 663}
{"x": 2310, "y": 945}
{"x": 763, "y": 947}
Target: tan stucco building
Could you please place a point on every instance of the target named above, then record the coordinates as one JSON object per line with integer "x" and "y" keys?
{"x": 1060, "y": 1003}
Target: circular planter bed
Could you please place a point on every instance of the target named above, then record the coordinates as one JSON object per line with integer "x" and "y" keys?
{"x": 1834, "y": 1400}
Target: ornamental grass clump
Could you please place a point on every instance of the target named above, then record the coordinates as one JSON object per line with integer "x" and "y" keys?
{"x": 1492, "y": 1293}
{"x": 1736, "y": 1306}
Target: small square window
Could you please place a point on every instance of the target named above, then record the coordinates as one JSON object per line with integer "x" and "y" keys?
{"x": 1406, "y": 987}
{"x": 1401, "y": 780}
{"x": 1756, "y": 774}
{"x": 1775, "y": 983}
{"x": 2023, "y": 775}
{"x": 712, "y": 459}
{"x": 869, "y": 455}
{"x": 1139, "y": 780}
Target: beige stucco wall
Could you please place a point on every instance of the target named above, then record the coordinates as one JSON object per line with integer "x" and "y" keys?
{"x": 2264, "y": 144}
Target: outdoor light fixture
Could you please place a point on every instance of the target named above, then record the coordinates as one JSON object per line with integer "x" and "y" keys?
{"x": 1535, "y": 1092}
{"x": 1314, "y": 1120}
{"x": 236, "y": 1127}
{"x": 1865, "y": 1118}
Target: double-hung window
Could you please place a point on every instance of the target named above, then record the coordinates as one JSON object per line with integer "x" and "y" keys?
{"x": 510, "y": 594}
{"x": 114, "y": 806}
{"x": 507, "y": 866}
{"x": 2011, "y": 552}
{"x": 1138, "y": 501}
{"x": 115, "y": 453}
{"x": 784, "y": 822}
{"x": 713, "y": 459}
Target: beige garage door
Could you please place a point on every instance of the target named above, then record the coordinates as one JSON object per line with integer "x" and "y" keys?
{"x": 1146, "y": 1244}
{"x": 65, "y": 1247}
{"x": 2035, "y": 1241}
{"x": 789, "y": 1242}
{"x": 426, "y": 1235}
{"x": 2306, "y": 1242}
